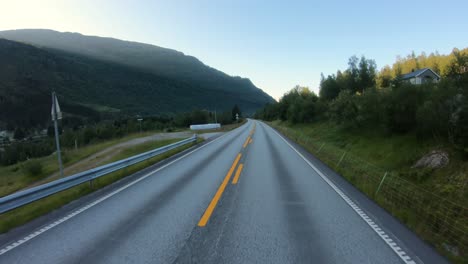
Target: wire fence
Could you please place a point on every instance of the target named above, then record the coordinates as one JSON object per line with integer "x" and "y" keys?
{"x": 436, "y": 219}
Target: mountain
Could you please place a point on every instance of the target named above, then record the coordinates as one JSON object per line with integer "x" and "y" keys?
{"x": 158, "y": 60}
{"x": 93, "y": 75}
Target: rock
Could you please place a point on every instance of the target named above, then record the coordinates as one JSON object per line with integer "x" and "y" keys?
{"x": 452, "y": 249}
{"x": 435, "y": 159}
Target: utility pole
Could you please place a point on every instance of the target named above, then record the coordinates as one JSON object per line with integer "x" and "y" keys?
{"x": 56, "y": 115}
{"x": 216, "y": 119}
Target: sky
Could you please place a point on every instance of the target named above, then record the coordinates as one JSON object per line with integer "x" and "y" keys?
{"x": 277, "y": 44}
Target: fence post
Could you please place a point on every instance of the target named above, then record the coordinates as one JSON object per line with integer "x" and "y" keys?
{"x": 339, "y": 162}
{"x": 381, "y": 182}
{"x": 323, "y": 144}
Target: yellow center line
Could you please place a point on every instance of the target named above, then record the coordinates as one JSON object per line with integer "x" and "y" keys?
{"x": 206, "y": 216}
{"x": 238, "y": 172}
{"x": 250, "y": 141}
{"x": 246, "y": 142}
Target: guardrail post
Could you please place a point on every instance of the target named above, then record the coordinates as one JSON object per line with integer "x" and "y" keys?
{"x": 381, "y": 182}
{"x": 342, "y": 157}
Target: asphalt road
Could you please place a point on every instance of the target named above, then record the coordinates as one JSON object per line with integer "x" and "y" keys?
{"x": 286, "y": 207}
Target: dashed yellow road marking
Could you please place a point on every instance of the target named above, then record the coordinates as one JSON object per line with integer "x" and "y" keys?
{"x": 246, "y": 142}
{"x": 238, "y": 172}
{"x": 206, "y": 216}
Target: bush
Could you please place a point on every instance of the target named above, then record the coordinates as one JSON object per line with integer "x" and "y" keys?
{"x": 33, "y": 168}
{"x": 343, "y": 110}
{"x": 402, "y": 107}
{"x": 371, "y": 106}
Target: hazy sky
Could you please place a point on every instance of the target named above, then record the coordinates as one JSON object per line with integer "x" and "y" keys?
{"x": 277, "y": 44}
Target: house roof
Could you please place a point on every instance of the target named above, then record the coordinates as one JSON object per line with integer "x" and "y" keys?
{"x": 416, "y": 73}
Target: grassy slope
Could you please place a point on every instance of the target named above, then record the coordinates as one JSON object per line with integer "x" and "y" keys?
{"x": 15, "y": 177}
{"x": 27, "y": 213}
{"x": 431, "y": 202}
{"x": 393, "y": 153}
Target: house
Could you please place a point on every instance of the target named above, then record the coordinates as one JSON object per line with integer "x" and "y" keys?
{"x": 4, "y": 139}
{"x": 421, "y": 76}
{"x": 4, "y": 134}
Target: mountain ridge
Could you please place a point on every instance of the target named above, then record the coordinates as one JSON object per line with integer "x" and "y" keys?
{"x": 85, "y": 84}
{"x": 162, "y": 61}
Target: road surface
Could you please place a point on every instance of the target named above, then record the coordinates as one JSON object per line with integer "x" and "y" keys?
{"x": 285, "y": 207}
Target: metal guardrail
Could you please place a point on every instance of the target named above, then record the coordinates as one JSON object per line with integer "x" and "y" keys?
{"x": 21, "y": 198}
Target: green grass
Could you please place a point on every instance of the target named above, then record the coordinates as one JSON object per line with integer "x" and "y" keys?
{"x": 15, "y": 177}
{"x": 395, "y": 153}
{"x": 140, "y": 148}
{"x": 431, "y": 202}
{"x": 31, "y": 211}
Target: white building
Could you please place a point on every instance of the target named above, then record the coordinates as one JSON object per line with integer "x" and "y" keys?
{"x": 421, "y": 76}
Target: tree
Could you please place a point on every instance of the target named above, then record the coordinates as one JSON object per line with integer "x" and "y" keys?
{"x": 366, "y": 74}
{"x": 458, "y": 67}
{"x": 329, "y": 88}
{"x": 19, "y": 134}
{"x": 352, "y": 76}
{"x": 199, "y": 117}
{"x": 385, "y": 77}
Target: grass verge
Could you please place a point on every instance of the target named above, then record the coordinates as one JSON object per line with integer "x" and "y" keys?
{"x": 31, "y": 211}
{"x": 16, "y": 177}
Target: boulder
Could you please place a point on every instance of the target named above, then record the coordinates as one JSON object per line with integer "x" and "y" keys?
{"x": 434, "y": 160}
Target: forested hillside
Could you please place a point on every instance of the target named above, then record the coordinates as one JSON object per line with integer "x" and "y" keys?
{"x": 89, "y": 88}
{"x": 161, "y": 61}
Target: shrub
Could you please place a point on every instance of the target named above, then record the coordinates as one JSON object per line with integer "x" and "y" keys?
{"x": 343, "y": 110}
{"x": 33, "y": 168}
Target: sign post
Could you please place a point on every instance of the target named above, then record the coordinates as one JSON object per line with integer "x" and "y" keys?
{"x": 56, "y": 115}
{"x": 139, "y": 120}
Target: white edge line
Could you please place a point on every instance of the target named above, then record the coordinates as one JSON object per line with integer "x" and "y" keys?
{"x": 402, "y": 254}
{"x": 86, "y": 207}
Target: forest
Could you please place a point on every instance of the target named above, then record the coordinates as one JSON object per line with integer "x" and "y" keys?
{"x": 76, "y": 134}
{"x": 363, "y": 98}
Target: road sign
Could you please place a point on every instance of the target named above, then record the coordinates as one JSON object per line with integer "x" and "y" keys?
{"x": 57, "y": 108}
{"x": 56, "y": 115}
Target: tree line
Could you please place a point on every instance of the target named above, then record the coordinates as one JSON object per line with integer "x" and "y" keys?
{"x": 357, "y": 98}
{"x": 73, "y": 133}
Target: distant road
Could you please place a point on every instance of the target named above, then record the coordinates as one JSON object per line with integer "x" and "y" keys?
{"x": 285, "y": 207}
